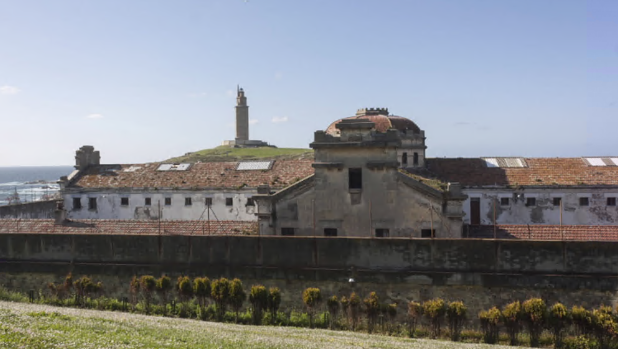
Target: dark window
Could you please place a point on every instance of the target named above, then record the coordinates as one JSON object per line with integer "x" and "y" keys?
{"x": 208, "y": 201}
{"x": 382, "y": 233}
{"x": 330, "y": 231}
{"x": 168, "y": 201}
{"x": 611, "y": 201}
{"x": 250, "y": 202}
{"x": 530, "y": 201}
{"x": 504, "y": 201}
{"x": 188, "y": 202}
{"x": 355, "y": 178}
{"x": 428, "y": 233}
{"x": 415, "y": 159}
{"x": 229, "y": 201}
{"x": 124, "y": 201}
{"x": 147, "y": 201}
{"x": 557, "y": 201}
{"x": 287, "y": 231}
{"x": 583, "y": 202}
{"x": 404, "y": 159}
{"x": 77, "y": 203}
{"x": 92, "y": 203}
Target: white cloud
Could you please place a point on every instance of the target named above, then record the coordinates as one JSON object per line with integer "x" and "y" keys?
{"x": 9, "y": 90}
{"x": 277, "y": 119}
{"x": 230, "y": 93}
{"x": 253, "y": 121}
{"x": 94, "y": 116}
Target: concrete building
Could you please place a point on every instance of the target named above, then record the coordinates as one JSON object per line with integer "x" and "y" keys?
{"x": 242, "y": 125}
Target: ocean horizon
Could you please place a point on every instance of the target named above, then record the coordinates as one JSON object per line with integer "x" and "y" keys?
{"x": 30, "y": 183}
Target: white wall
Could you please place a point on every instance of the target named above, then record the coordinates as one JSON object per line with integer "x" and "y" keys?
{"x": 597, "y": 213}
{"x": 109, "y": 206}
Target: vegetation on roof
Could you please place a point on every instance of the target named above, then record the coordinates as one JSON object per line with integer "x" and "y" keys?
{"x": 430, "y": 181}
{"x": 225, "y": 153}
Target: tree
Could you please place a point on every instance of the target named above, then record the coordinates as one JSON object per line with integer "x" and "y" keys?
{"x": 134, "y": 290}
{"x": 604, "y": 326}
{"x": 535, "y": 316}
{"x": 237, "y": 296}
{"x": 333, "y": 309}
{"x": 184, "y": 287}
{"x": 415, "y": 311}
{"x": 372, "y": 308}
{"x": 434, "y": 311}
{"x": 312, "y": 297}
{"x": 511, "y": 319}
{"x": 83, "y": 287}
{"x": 456, "y": 314}
{"x": 582, "y": 319}
{"x": 258, "y": 297}
{"x": 354, "y": 309}
{"x": 163, "y": 287}
{"x": 148, "y": 285}
{"x": 221, "y": 293}
{"x": 557, "y": 321}
{"x": 274, "y": 301}
{"x": 202, "y": 290}
{"x": 490, "y": 323}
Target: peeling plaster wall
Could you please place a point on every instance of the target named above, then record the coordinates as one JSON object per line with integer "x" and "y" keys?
{"x": 30, "y": 210}
{"x": 544, "y": 212}
{"x": 109, "y": 205}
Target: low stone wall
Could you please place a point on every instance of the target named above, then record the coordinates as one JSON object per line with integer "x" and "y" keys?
{"x": 30, "y": 210}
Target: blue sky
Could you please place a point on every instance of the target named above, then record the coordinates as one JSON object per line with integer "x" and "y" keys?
{"x": 146, "y": 80}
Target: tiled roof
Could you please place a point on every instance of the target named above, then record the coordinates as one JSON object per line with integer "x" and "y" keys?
{"x": 473, "y": 172}
{"x": 199, "y": 175}
{"x": 130, "y": 227}
{"x": 382, "y": 123}
{"x": 544, "y": 232}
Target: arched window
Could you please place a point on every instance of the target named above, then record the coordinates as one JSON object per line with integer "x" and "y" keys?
{"x": 404, "y": 159}
{"x": 415, "y": 160}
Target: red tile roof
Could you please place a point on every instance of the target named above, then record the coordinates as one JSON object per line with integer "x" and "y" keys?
{"x": 214, "y": 175}
{"x": 473, "y": 172}
{"x": 130, "y": 227}
{"x": 382, "y": 123}
{"x": 545, "y": 232}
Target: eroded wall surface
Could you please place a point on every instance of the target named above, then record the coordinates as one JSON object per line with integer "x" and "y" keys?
{"x": 30, "y": 210}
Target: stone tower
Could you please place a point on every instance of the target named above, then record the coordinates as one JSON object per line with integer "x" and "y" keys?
{"x": 242, "y": 116}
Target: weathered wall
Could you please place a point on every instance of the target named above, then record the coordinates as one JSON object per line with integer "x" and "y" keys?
{"x": 480, "y": 272}
{"x": 109, "y": 205}
{"x": 36, "y": 210}
{"x": 544, "y": 212}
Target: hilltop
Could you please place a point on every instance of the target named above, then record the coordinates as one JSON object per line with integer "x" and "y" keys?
{"x": 225, "y": 153}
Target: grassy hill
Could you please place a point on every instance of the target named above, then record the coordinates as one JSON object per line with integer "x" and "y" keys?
{"x": 25, "y": 325}
{"x": 224, "y": 153}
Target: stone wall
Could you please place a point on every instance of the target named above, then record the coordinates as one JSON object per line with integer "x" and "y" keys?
{"x": 30, "y": 210}
{"x": 482, "y": 273}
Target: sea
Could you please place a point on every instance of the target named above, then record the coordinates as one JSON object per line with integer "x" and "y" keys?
{"x": 30, "y": 183}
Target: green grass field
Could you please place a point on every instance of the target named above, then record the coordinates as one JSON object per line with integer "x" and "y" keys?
{"x": 235, "y": 154}
{"x": 40, "y": 326}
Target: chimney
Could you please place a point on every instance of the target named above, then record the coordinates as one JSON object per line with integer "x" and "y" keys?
{"x": 86, "y": 156}
{"x": 60, "y": 215}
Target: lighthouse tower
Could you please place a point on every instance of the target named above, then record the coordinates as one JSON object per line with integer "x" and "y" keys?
{"x": 242, "y": 125}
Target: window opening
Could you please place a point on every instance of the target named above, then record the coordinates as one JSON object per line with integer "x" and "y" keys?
{"x": 611, "y": 201}
{"x": 229, "y": 201}
{"x": 415, "y": 159}
{"x": 287, "y": 231}
{"x": 168, "y": 201}
{"x": 92, "y": 203}
{"x": 504, "y": 201}
{"x": 208, "y": 201}
{"x": 355, "y": 178}
{"x": 330, "y": 231}
{"x": 77, "y": 203}
{"x": 404, "y": 159}
{"x": 188, "y": 202}
{"x": 583, "y": 202}
{"x": 124, "y": 201}
{"x": 147, "y": 201}
{"x": 557, "y": 201}
{"x": 428, "y": 233}
{"x": 382, "y": 233}
{"x": 530, "y": 201}
{"x": 250, "y": 202}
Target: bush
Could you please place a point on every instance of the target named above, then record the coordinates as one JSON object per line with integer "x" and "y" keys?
{"x": 511, "y": 319}
{"x": 456, "y": 314}
{"x": 258, "y": 297}
{"x": 490, "y": 323}
{"x": 202, "y": 290}
{"x": 333, "y": 309}
{"x": 184, "y": 287}
{"x": 237, "y": 296}
{"x": 148, "y": 285}
{"x": 221, "y": 295}
{"x": 557, "y": 321}
{"x": 579, "y": 342}
{"x": 134, "y": 290}
{"x": 582, "y": 319}
{"x": 604, "y": 326}
{"x": 434, "y": 311}
{"x": 372, "y": 309}
{"x": 299, "y": 319}
{"x": 534, "y": 316}
{"x": 274, "y": 301}
{"x": 12, "y": 296}
{"x": 354, "y": 310}
{"x": 163, "y": 287}
{"x": 415, "y": 312}
{"x": 312, "y": 297}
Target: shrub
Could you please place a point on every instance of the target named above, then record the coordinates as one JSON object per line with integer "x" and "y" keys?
{"x": 604, "y": 326}
{"x": 221, "y": 294}
{"x": 490, "y": 323}
{"x": 147, "y": 284}
{"x": 391, "y": 313}
{"x": 511, "y": 319}
{"x": 434, "y": 311}
{"x": 237, "y": 296}
{"x": 415, "y": 311}
{"x": 184, "y": 287}
{"x": 372, "y": 309}
{"x": 163, "y": 287}
{"x": 274, "y": 301}
{"x": 456, "y": 314}
{"x": 84, "y": 287}
{"x": 534, "y": 316}
{"x": 134, "y": 290}
{"x": 202, "y": 290}
{"x": 354, "y": 309}
{"x": 557, "y": 321}
{"x": 312, "y": 297}
{"x": 582, "y": 319}
{"x": 258, "y": 297}
{"x": 68, "y": 284}
{"x": 333, "y": 309}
